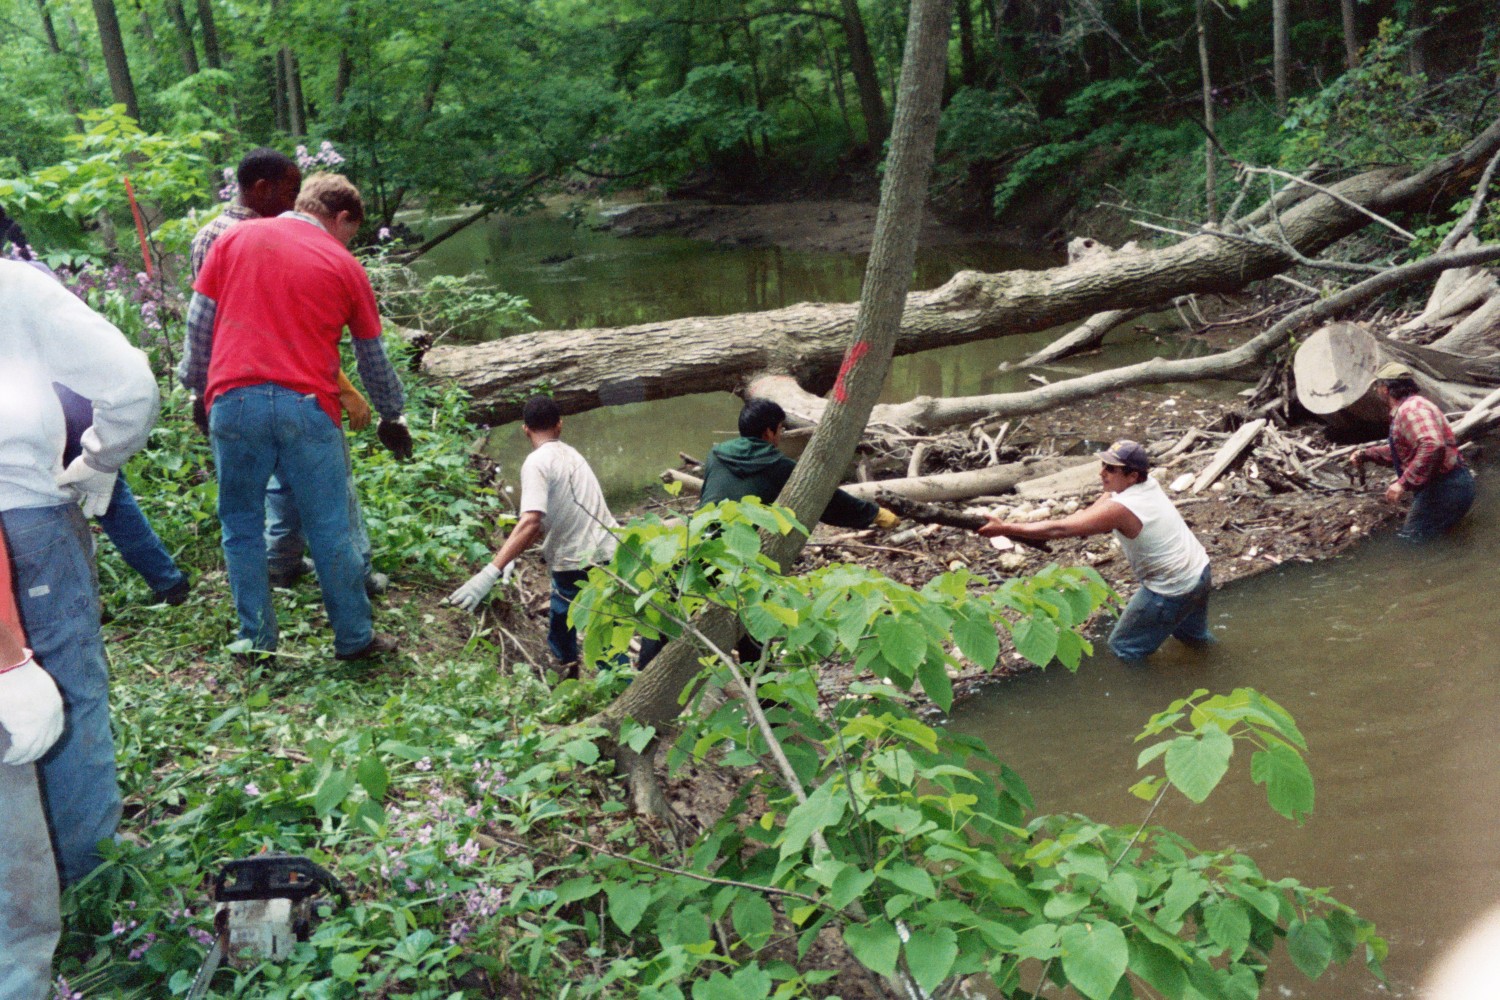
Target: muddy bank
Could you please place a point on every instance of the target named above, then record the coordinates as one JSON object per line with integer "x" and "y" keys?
{"x": 827, "y": 226}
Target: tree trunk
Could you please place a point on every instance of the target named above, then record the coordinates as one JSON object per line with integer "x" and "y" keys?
{"x": 653, "y": 697}
{"x": 184, "y": 36}
{"x": 278, "y": 93}
{"x": 48, "y": 28}
{"x": 866, "y": 80}
{"x": 295, "y": 105}
{"x": 585, "y": 369}
{"x": 148, "y": 36}
{"x": 1351, "y": 33}
{"x": 115, "y": 63}
{"x": 968, "y": 63}
{"x": 1280, "y": 46}
{"x": 210, "y": 35}
{"x": 1209, "y": 171}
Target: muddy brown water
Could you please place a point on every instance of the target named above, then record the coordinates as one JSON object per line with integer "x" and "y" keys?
{"x": 1388, "y": 657}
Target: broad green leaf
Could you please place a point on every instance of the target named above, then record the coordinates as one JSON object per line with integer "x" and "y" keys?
{"x": 933, "y": 673}
{"x": 977, "y": 640}
{"x": 930, "y": 954}
{"x": 1228, "y": 923}
{"x": 1289, "y": 784}
{"x": 1094, "y": 957}
{"x": 1036, "y": 638}
{"x": 344, "y": 966}
{"x": 848, "y": 886}
{"x": 1310, "y": 945}
{"x": 821, "y": 810}
{"x": 903, "y": 642}
{"x": 627, "y": 904}
{"x": 333, "y": 790}
{"x": 582, "y": 750}
{"x": 373, "y": 777}
{"x": 1158, "y": 968}
{"x": 753, "y": 920}
{"x": 1195, "y": 764}
{"x": 875, "y": 944}
{"x": 1121, "y": 890}
{"x": 910, "y": 878}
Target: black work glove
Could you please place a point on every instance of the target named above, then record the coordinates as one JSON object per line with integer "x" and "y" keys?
{"x": 396, "y": 437}
{"x": 200, "y": 415}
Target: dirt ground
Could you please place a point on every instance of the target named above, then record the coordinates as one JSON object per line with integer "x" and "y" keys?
{"x": 824, "y": 226}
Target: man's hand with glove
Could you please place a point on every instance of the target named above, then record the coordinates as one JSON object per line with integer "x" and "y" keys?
{"x": 31, "y": 711}
{"x": 479, "y": 585}
{"x": 886, "y": 520}
{"x": 396, "y": 437}
{"x": 90, "y": 486}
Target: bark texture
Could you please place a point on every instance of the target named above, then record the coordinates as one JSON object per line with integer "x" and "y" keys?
{"x": 112, "y": 43}
{"x": 805, "y": 343}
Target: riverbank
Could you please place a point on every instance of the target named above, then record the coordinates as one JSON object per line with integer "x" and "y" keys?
{"x": 826, "y": 226}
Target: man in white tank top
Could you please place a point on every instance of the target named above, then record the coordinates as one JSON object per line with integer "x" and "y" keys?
{"x": 1164, "y": 554}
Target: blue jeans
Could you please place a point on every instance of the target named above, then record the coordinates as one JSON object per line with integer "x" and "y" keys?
{"x": 31, "y": 924}
{"x": 263, "y": 430}
{"x": 561, "y": 638}
{"x": 1149, "y": 618}
{"x": 284, "y": 541}
{"x": 1439, "y": 505}
{"x": 58, "y": 594}
{"x": 139, "y": 545}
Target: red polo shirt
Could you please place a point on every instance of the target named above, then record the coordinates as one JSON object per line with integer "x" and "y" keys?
{"x": 285, "y": 290}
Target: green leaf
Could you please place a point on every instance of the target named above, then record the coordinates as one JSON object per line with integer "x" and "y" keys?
{"x": 977, "y": 640}
{"x": 1310, "y": 945}
{"x": 1036, "y": 638}
{"x": 582, "y": 750}
{"x": 903, "y": 643}
{"x": 373, "y": 777}
{"x": 930, "y": 954}
{"x": 1195, "y": 764}
{"x": 332, "y": 791}
{"x": 1289, "y": 784}
{"x": 1094, "y": 957}
{"x": 1228, "y": 923}
{"x": 821, "y": 810}
{"x": 753, "y": 920}
{"x": 344, "y": 966}
{"x": 1158, "y": 968}
{"x": 933, "y": 673}
{"x": 910, "y": 878}
{"x": 875, "y": 944}
{"x": 627, "y": 904}
{"x": 850, "y": 884}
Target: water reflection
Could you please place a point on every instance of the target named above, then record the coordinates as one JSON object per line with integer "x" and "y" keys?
{"x": 1387, "y": 659}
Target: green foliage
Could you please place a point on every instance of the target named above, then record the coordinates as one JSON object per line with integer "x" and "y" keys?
{"x": 166, "y": 171}
{"x": 464, "y": 306}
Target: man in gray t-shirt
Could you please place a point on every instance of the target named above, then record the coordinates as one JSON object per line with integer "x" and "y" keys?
{"x": 561, "y": 503}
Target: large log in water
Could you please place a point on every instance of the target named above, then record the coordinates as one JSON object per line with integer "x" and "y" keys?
{"x": 1335, "y": 374}
{"x": 585, "y": 369}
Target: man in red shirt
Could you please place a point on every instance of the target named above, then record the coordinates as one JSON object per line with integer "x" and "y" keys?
{"x": 1425, "y": 455}
{"x": 269, "y": 309}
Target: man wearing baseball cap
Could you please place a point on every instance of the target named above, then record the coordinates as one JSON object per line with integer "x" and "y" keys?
{"x": 1164, "y": 554}
{"x": 1424, "y": 452}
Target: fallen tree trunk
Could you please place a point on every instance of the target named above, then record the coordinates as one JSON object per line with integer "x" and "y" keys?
{"x": 584, "y": 369}
{"x": 1090, "y": 333}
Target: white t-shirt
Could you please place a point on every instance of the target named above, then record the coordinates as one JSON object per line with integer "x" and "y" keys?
{"x": 48, "y": 335}
{"x": 1166, "y": 556}
{"x": 558, "y": 483}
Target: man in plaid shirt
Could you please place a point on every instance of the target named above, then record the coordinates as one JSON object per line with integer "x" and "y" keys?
{"x": 1425, "y": 455}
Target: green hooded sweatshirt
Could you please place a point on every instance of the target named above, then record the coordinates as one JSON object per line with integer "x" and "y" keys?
{"x": 747, "y": 467}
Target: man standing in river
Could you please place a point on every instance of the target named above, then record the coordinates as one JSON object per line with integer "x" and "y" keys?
{"x": 1424, "y": 452}
{"x": 1164, "y": 554}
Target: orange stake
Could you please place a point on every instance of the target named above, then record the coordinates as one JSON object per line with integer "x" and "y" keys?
{"x": 140, "y": 225}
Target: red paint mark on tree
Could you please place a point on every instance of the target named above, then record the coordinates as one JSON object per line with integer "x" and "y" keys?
{"x": 851, "y": 358}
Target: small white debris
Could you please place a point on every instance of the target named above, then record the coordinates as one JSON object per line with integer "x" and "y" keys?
{"x": 1182, "y": 482}
{"x": 1002, "y": 543}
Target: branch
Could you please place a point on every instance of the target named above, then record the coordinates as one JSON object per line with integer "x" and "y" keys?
{"x": 1335, "y": 196}
{"x": 1472, "y": 215}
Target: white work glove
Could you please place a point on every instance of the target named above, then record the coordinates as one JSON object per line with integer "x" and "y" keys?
{"x": 471, "y": 593}
{"x": 90, "y": 486}
{"x": 31, "y": 710}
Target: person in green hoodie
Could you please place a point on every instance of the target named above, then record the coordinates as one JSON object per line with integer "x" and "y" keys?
{"x": 752, "y": 465}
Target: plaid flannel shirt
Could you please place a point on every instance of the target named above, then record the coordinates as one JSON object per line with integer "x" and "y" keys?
{"x": 216, "y": 227}
{"x": 1424, "y": 443}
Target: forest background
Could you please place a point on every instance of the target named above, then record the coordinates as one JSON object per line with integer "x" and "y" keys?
{"x": 491, "y": 850}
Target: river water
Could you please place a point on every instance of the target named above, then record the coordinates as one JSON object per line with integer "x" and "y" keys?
{"x": 1387, "y": 656}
